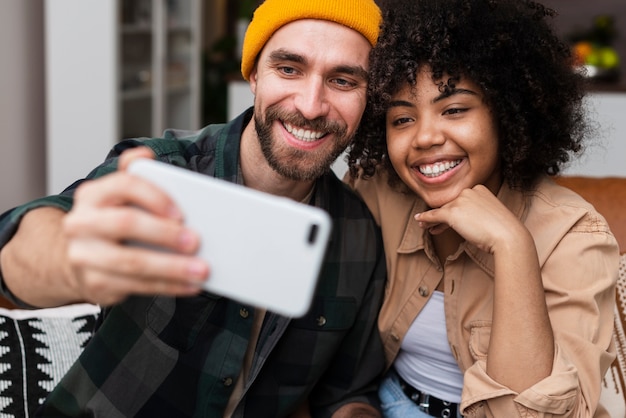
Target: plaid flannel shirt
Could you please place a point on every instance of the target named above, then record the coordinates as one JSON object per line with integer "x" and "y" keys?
{"x": 180, "y": 357}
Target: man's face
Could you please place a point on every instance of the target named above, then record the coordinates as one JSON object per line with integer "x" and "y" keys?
{"x": 310, "y": 88}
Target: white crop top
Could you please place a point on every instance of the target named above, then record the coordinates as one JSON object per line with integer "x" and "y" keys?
{"x": 425, "y": 360}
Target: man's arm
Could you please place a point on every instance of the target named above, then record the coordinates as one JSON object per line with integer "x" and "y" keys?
{"x": 56, "y": 258}
{"x": 34, "y": 262}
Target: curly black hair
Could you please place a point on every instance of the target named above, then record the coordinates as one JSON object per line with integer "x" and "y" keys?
{"x": 510, "y": 50}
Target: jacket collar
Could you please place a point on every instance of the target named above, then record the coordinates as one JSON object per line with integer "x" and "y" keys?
{"x": 416, "y": 239}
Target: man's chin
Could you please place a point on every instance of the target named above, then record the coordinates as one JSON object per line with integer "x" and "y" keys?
{"x": 302, "y": 172}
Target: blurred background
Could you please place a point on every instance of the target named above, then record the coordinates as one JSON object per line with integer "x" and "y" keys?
{"x": 79, "y": 75}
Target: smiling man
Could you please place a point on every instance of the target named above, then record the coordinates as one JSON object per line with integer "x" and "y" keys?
{"x": 164, "y": 348}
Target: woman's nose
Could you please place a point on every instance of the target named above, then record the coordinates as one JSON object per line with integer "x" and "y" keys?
{"x": 427, "y": 133}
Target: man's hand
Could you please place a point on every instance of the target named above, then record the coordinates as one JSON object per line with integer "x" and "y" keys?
{"x": 87, "y": 255}
{"x": 351, "y": 410}
{"x": 357, "y": 410}
{"x": 110, "y": 213}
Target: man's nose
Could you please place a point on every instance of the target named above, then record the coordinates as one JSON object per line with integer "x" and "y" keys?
{"x": 312, "y": 101}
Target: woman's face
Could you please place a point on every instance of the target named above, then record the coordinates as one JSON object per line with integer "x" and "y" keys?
{"x": 440, "y": 143}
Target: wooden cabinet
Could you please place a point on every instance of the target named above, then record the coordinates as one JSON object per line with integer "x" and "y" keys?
{"x": 117, "y": 69}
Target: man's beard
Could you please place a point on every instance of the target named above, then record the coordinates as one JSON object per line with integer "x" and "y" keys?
{"x": 297, "y": 164}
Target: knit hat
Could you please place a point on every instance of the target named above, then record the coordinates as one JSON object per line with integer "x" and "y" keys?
{"x": 361, "y": 15}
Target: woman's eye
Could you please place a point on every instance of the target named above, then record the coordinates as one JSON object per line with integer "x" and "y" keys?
{"x": 454, "y": 111}
{"x": 400, "y": 121}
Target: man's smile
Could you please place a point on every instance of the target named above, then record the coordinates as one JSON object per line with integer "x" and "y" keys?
{"x": 302, "y": 134}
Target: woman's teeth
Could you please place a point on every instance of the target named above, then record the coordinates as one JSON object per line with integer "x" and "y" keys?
{"x": 437, "y": 169}
{"x": 302, "y": 134}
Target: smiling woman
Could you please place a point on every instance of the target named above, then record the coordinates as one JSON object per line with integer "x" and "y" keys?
{"x": 439, "y": 134}
{"x": 474, "y": 107}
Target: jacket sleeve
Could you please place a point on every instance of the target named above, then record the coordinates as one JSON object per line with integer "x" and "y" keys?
{"x": 579, "y": 274}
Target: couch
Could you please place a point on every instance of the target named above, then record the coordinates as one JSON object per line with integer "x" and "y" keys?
{"x": 608, "y": 196}
{"x": 37, "y": 347}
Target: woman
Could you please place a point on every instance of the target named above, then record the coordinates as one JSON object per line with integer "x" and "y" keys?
{"x": 501, "y": 283}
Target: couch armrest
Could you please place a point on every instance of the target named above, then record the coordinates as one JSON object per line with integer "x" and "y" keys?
{"x": 607, "y": 195}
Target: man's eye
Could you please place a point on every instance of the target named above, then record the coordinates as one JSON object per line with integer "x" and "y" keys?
{"x": 343, "y": 83}
{"x": 287, "y": 70}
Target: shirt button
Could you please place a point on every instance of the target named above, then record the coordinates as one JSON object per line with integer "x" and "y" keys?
{"x": 243, "y": 312}
{"x": 321, "y": 321}
{"x": 395, "y": 337}
{"x": 423, "y": 291}
{"x": 227, "y": 381}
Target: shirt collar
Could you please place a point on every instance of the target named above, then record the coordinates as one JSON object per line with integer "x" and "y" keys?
{"x": 227, "y": 152}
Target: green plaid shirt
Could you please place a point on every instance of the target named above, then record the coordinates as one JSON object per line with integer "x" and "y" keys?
{"x": 180, "y": 357}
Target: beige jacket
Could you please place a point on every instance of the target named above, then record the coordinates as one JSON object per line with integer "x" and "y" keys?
{"x": 579, "y": 263}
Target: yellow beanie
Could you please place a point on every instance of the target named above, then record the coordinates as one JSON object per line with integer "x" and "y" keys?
{"x": 361, "y": 15}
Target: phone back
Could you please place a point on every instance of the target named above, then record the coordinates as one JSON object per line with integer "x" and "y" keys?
{"x": 262, "y": 249}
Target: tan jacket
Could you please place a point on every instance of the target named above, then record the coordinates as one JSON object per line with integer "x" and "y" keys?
{"x": 579, "y": 263}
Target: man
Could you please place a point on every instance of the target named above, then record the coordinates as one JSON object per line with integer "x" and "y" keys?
{"x": 185, "y": 352}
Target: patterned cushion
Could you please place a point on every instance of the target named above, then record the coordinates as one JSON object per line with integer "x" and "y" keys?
{"x": 613, "y": 392}
{"x": 36, "y": 349}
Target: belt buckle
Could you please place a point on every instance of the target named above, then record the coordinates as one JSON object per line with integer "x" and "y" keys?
{"x": 424, "y": 402}
{"x": 424, "y": 405}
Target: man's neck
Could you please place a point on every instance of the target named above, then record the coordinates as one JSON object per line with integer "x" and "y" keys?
{"x": 258, "y": 175}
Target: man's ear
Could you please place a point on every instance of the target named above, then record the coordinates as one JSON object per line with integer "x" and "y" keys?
{"x": 252, "y": 78}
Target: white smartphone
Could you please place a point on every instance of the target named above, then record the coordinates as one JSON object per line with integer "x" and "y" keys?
{"x": 262, "y": 249}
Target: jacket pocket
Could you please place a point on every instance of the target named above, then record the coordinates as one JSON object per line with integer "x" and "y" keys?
{"x": 318, "y": 335}
{"x": 480, "y": 334}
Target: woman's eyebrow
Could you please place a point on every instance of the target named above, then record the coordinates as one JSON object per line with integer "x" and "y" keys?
{"x": 400, "y": 103}
{"x": 453, "y": 92}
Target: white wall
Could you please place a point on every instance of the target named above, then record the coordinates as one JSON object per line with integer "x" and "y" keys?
{"x": 22, "y": 121}
{"x": 605, "y": 155}
{"x": 79, "y": 34}
{"x": 606, "y": 152}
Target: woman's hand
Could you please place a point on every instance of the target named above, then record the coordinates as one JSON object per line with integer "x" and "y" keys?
{"x": 478, "y": 216}
{"x": 521, "y": 332}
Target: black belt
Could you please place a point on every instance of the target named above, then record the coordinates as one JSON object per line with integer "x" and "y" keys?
{"x": 434, "y": 407}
